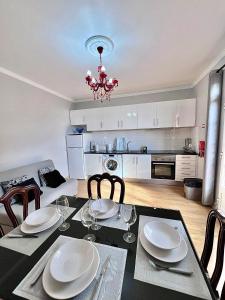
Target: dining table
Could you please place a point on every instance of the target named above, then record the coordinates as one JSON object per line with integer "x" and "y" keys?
{"x": 14, "y": 266}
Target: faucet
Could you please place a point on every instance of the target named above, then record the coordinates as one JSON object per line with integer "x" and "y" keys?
{"x": 128, "y": 145}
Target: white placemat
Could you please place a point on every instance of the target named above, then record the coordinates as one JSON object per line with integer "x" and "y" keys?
{"x": 113, "y": 222}
{"x": 28, "y": 246}
{"x": 111, "y": 287}
{"x": 192, "y": 285}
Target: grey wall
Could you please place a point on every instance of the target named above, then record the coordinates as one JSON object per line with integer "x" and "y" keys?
{"x": 151, "y": 97}
{"x": 32, "y": 125}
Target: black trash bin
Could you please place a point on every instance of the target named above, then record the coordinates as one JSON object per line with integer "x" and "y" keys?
{"x": 193, "y": 189}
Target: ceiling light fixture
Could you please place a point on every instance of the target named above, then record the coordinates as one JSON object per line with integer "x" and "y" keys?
{"x": 101, "y": 87}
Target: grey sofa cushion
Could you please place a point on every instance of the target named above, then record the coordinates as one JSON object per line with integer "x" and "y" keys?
{"x": 30, "y": 170}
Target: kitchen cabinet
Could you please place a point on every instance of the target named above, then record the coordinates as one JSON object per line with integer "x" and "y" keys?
{"x": 93, "y": 164}
{"x": 78, "y": 117}
{"x": 146, "y": 115}
{"x": 164, "y": 114}
{"x": 128, "y": 117}
{"x": 186, "y": 113}
{"x": 157, "y": 114}
{"x": 137, "y": 166}
{"x": 186, "y": 166}
{"x": 95, "y": 119}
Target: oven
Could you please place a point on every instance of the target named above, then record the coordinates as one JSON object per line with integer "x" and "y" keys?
{"x": 163, "y": 166}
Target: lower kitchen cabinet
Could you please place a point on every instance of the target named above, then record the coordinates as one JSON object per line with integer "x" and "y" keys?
{"x": 137, "y": 166}
{"x": 186, "y": 166}
{"x": 93, "y": 164}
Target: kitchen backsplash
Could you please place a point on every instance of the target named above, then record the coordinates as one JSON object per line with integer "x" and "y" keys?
{"x": 155, "y": 139}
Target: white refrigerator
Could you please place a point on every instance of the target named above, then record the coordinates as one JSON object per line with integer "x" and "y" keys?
{"x": 75, "y": 154}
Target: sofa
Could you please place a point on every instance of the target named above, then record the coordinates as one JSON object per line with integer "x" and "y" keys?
{"x": 68, "y": 188}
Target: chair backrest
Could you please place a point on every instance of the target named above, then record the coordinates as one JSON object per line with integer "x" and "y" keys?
{"x": 6, "y": 199}
{"x": 1, "y": 231}
{"x": 112, "y": 179}
{"x": 208, "y": 246}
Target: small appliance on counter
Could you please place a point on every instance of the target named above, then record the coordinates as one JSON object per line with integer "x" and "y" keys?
{"x": 144, "y": 149}
{"x": 188, "y": 146}
{"x": 120, "y": 144}
{"x": 92, "y": 147}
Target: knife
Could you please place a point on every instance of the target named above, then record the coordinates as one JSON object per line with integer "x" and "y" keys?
{"x": 101, "y": 277}
{"x": 15, "y": 236}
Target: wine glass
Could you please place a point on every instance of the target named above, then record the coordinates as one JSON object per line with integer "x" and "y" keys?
{"x": 87, "y": 220}
{"x": 62, "y": 205}
{"x": 95, "y": 225}
{"x": 129, "y": 216}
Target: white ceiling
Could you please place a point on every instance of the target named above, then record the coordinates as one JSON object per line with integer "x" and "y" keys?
{"x": 158, "y": 43}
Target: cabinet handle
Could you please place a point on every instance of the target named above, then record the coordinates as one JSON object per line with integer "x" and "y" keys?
{"x": 101, "y": 124}
{"x": 154, "y": 122}
{"x": 121, "y": 123}
{"x": 118, "y": 124}
{"x": 157, "y": 122}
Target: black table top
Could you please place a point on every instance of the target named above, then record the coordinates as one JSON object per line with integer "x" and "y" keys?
{"x": 14, "y": 266}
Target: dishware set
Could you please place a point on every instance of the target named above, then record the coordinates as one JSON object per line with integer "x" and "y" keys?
{"x": 165, "y": 244}
{"x": 70, "y": 269}
{"x": 39, "y": 221}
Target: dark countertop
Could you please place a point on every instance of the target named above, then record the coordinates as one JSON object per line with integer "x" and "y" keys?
{"x": 172, "y": 152}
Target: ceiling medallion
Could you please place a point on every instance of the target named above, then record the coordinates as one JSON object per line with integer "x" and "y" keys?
{"x": 101, "y": 87}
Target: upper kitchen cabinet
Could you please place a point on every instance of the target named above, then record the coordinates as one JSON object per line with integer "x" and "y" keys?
{"x": 146, "y": 115}
{"x": 128, "y": 117}
{"x": 78, "y": 117}
{"x": 95, "y": 119}
{"x": 186, "y": 113}
{"x": 166, "y": 114}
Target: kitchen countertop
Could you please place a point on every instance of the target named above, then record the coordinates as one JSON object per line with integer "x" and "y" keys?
{"x": 169, "y": 152}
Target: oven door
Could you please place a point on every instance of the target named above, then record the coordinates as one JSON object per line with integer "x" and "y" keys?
{"x": 163, "y": 170}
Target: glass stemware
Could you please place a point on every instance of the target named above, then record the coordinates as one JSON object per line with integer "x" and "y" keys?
{"x": 87, "y": 220}
{"x": 62, "y": 205}
{"x": 129, "y": 216}
{"x": 95, "y": 225}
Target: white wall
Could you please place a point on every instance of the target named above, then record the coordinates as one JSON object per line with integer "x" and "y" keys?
{"x": 32, "y": 125}
{"x": 154, "y": 139}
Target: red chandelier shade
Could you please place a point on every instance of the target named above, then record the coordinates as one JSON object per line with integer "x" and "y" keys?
{"x": 102, "y": 87}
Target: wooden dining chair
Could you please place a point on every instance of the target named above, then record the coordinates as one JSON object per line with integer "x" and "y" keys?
{"x": 214, "y": 215}
{"x": 23, "y": 192}
{"x": 113, "y": 179}
{"x": 1, "y": 232}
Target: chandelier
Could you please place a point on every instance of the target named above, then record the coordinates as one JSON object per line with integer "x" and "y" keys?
{"x": 101, "y": 87}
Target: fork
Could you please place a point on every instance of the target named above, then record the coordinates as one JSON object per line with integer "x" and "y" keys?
{"x": 159, "y": 267}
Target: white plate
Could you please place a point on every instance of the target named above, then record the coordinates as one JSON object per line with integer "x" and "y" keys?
{"x": 102, "y": 206}
{"x": 109, "y": 214}
{"x": 72, "y": 260}
{"x": 169, "y": 256}
{"x": 40, "y": 216}
{"x": 162, "y": 235}
{"x": 31, "y": 229}
{"x": 59, "y": 290}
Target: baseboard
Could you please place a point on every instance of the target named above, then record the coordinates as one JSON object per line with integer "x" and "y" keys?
{"x": 155, "y": 181}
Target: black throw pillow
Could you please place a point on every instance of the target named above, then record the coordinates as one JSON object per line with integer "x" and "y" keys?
{"x": 54, "y": 179}
{"x": 30, "y": 193}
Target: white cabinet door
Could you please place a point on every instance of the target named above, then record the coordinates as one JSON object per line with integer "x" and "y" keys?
{"x": 166, "y": 114}
{"x": 186, "y": 113}
{"x": 129, "y": 166}
{"x": 76, "y": 163}
{"x": 111, "y": 118}
{"x": 128, "y": 117}
{"x": 95, "y": 118}
{"x": 146, "y": 115}
{"x": 78, "y": 117}
{"x": 93, "y": 164}
{"x": 143, "y": 166}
